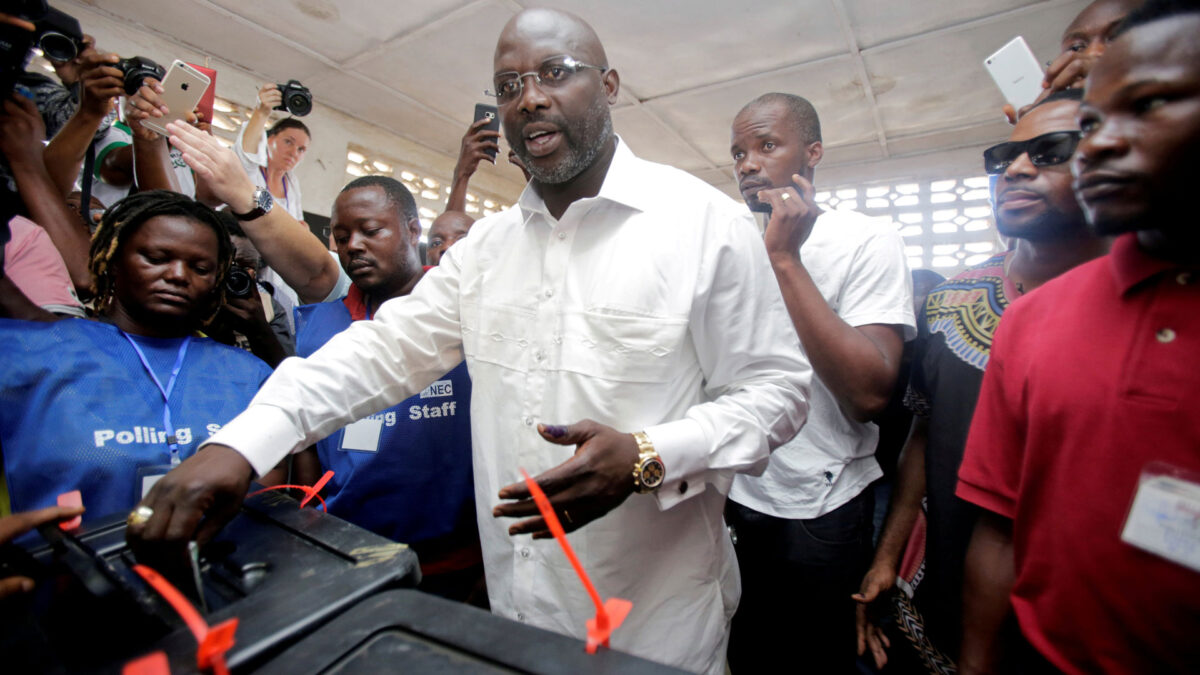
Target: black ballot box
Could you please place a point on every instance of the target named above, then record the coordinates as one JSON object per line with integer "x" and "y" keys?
{"x": 281, "y": 570}
{"x": 406, "y": 631}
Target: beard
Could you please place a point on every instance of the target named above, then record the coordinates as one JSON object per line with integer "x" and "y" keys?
{"x": 1052, "y": 225}
{"x": 583, "y": 140}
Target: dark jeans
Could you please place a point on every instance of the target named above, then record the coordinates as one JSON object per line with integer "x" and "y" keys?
{"x": 796, "y": 614}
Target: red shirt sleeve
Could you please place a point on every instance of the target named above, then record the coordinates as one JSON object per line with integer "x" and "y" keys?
{"x": 990, "y": 475}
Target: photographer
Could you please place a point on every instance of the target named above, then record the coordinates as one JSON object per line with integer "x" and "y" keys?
{"x": 102, "y": 83}
{"x": 270, "y": 155}
{"x": 251, "y": 319}
{"x": 58, "y": 100}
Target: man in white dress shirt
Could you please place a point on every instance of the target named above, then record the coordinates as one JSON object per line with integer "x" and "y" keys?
{"x": 617, "y": 296}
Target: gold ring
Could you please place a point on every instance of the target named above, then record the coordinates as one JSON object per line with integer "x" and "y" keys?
{"x": 568, "y": 517}
{"x": 139, "y": 516}
{"x": 785, "y": 196}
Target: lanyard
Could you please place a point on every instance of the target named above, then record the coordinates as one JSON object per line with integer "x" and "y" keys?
{"x": 267, "y": 183}
{"x": 172, "y": 441}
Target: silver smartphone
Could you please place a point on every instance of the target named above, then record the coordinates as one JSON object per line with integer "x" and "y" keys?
{"x": 182, "y": 89}
{"x": 1017, "y": 72}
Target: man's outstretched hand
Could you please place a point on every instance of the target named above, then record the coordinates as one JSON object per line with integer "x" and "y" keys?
{"x": 192, "y": 502}
{"x": 585, "y": 487}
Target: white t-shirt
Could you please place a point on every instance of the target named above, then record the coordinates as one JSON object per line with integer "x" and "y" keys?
{"x": 119, "y": 135}
{"x": 858, "y": 264}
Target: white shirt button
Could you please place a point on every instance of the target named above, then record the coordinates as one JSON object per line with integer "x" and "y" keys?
{"x": 562, "y": 235}
{"x": 528, "y": 421}
{"x": 557, "y": 339}
{"x": 521, "y": 616}
{"x": 539, "y": 355}
{"x": 1165, "y": 335}
{"x": 549, "y": 292}
{"x": 525, "y": 552}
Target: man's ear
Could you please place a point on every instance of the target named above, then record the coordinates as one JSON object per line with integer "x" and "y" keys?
{"x": 815, "y": 152}
{"x": 414, "y": 231}
{"x": 612, "y": 85}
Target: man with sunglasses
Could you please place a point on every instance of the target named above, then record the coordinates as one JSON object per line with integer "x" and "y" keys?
{"x": 1036, "y": 211}
{"x": 1083, "y": 450}
{"x": 627, "y": 347}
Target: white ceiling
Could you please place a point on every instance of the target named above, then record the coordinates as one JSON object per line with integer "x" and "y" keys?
{"x": 898, "y": 84}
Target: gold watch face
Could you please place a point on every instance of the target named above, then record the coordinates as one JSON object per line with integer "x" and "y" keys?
{"x": 652, "y": 473}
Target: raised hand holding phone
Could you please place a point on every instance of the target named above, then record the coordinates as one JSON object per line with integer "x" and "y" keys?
{"x": 1016, "y": 71}
{"x": 182, "y": 89}
{"x": 793, "y": 213}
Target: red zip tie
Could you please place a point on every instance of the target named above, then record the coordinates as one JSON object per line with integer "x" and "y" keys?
{"x": 154, "y": 663}
{"x": 72, "y": 498}
{"x": 213, "y": 642}
{"x": 609, "y": 615}
{"x": 310, "y": 491}
{"x": 317, "y": 488}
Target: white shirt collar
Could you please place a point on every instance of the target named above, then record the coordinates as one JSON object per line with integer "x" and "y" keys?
{"x": 621, "y": 185}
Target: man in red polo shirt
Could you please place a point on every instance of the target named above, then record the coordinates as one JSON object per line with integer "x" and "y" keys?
{"x": 1085, "y": 447}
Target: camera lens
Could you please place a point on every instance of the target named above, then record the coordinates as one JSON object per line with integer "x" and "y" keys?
{"x": 58, "y": 47}
{"x": 137, "y": 69}
{"x": 299, "y": 104}
{"x": 239, "y": 284}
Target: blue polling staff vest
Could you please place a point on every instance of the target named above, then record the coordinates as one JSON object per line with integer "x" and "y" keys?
{"x": 79, "y": 411}
{"x": 417, "y": 483}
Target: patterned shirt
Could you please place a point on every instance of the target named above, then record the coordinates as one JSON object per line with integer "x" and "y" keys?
{"x": 954, "y": 341}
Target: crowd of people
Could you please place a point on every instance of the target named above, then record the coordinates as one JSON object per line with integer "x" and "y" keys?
{"x": 720, "y": 406}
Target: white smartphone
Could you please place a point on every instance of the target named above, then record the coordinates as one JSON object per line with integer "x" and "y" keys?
{"x": 1017, "y": 72}
{"x": 182, "y": 89}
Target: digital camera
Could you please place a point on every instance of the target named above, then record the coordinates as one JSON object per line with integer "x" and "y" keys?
{"x": 239, "y": 283}
{"x": 297, "y": 99}
{"x": 137, "y": 69}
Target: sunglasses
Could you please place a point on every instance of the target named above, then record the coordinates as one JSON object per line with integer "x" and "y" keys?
{"x": 1049, "y": 149}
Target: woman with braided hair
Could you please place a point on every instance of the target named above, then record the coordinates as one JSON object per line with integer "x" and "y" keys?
{"x": 108, "y": 406}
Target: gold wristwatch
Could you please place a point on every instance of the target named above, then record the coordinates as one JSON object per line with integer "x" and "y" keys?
{"x": 648, "y": 471}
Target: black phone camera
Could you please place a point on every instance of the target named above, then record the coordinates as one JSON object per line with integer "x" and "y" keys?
{"x": 297, "y": 99}
{"x": 239, "y": 283}
{"x": 137, "y": 69}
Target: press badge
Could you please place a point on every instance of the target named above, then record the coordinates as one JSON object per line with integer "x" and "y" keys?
{"x": 1165, "y": 516}
{"x": 363, "y": 435}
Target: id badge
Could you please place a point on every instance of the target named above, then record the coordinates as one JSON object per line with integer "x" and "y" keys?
{"x": 1164, "y": 518}
{"x": 147, "y": 476}
{"x": 363, "y": 435}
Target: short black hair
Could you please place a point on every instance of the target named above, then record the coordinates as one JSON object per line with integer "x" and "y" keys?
{"x": 288, "y": 123}
{"x": 803, "y": 114}
{"x": 1154, "y": 10}
{"x": 122, "y": 219}
{"x": 232, "y": 226}
{"x": 395, "y": 190}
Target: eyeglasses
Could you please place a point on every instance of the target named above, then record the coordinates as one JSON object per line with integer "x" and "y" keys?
{"x": 1049, "y": 149}
{"x": 551, "y": 74}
